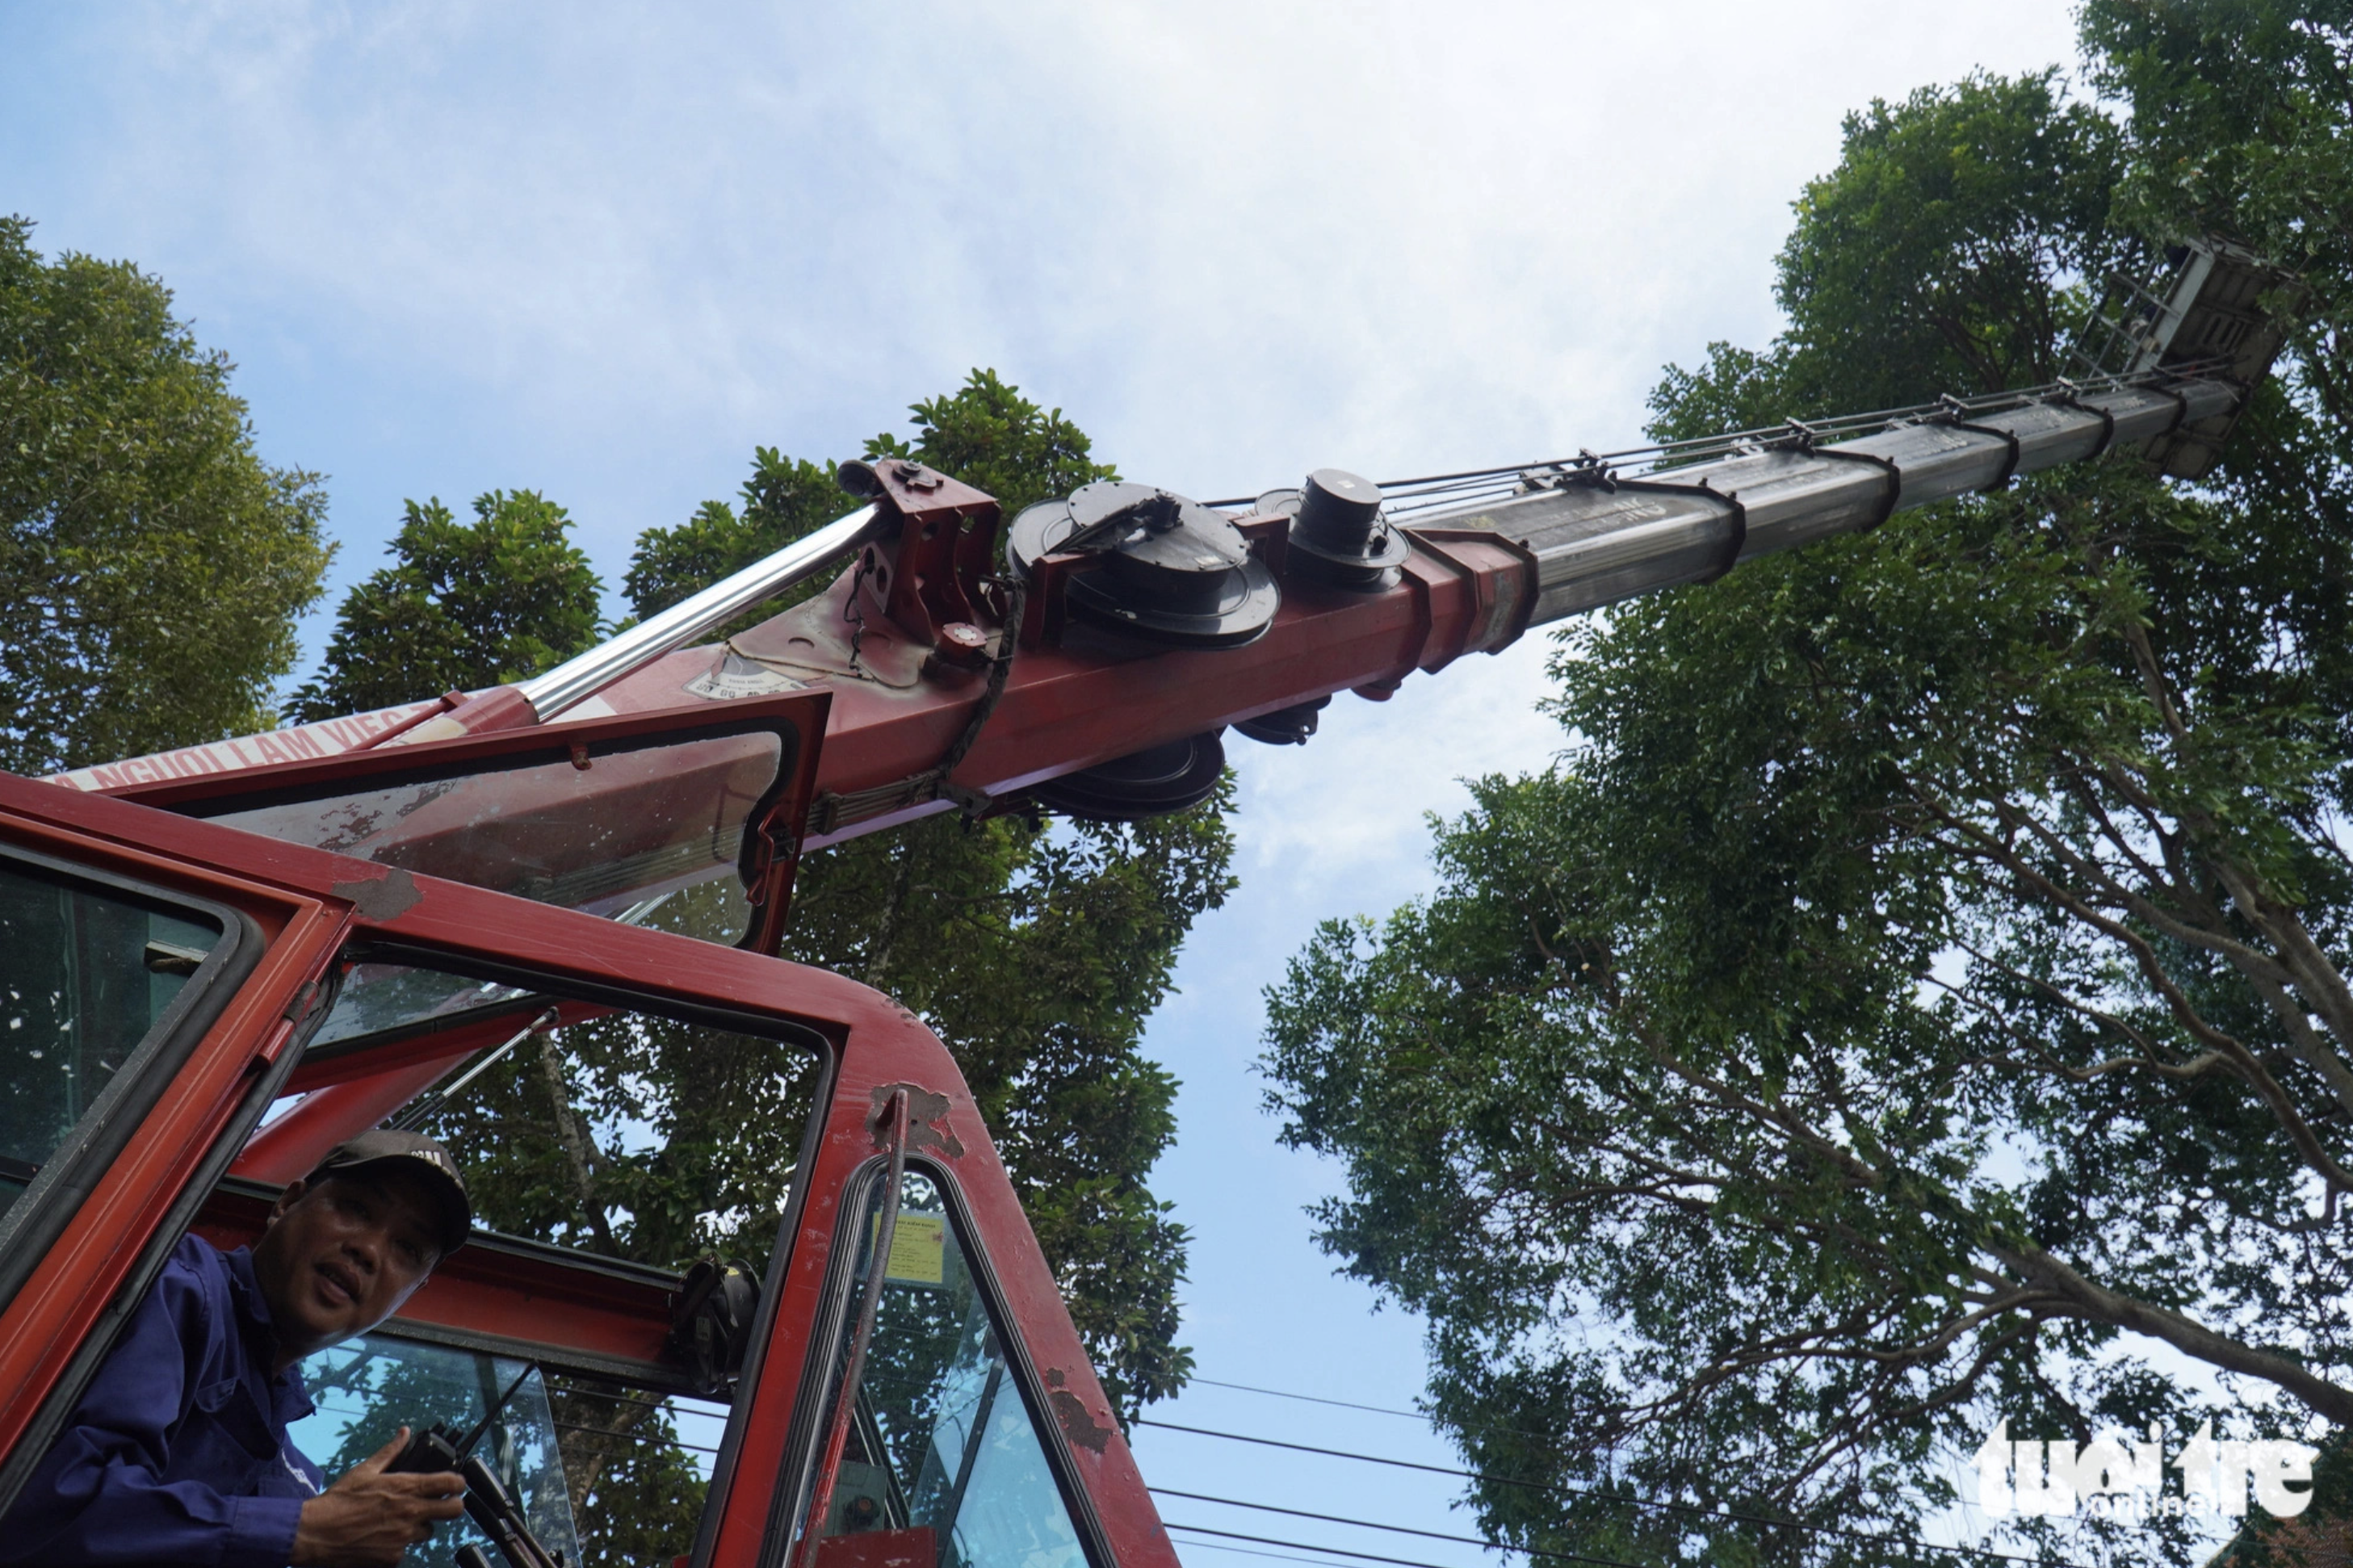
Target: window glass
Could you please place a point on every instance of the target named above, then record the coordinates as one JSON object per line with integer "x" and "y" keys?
{"x": 86, "y": 975}
{"x": 395, "y": 998}
{"x": 367, "y": 1390}
{"x": 941, "y": 1448}
{"x": 642, "y": 1137}
{"x": 618, "y": 836}
{"x": 381, "y": 998}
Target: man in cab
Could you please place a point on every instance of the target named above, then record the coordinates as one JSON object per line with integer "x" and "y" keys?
{"x": 178, "y": 1450}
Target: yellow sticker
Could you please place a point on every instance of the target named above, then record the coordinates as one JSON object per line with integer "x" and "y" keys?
{"x": 918, "y": 1249}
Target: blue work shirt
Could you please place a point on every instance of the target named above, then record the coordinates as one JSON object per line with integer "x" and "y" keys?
{"x": 178, "y": 1451}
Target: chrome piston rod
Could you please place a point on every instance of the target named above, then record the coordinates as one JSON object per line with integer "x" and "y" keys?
{"x": 579, "y": 679}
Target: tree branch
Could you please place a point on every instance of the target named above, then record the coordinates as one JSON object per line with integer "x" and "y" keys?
{"x": 580, "y": 1156}
{"x": 2098, "y": 1304}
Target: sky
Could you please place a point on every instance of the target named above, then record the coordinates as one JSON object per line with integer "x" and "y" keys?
{"x": 604, "y": 251}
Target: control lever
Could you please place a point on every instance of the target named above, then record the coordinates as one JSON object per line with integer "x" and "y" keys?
{"x": 492, "y": 1507}
{"x": 430, "y": 1452}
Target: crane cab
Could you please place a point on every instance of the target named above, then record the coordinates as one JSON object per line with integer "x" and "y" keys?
{"x": 192, "y": 1014}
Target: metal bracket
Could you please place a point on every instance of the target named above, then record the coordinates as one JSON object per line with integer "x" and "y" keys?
{"x": 1956, "y": 416}
{"x": 1801, "y": 438}
{"x": 830, "y": 811}
{"x": 947, "y": 546}
{"x": 2071, "y": 395}
{"x": 1589, "y": 472}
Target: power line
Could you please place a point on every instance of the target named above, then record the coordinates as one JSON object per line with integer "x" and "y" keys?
{"x": 667, "y": 1402}
{"x": 1424, "y": 1416}
{"x": 1368, "y": 1524}
{"x": 1376, "y": 1557}
{"x": 1426, "y": 1419}
{"x": 633, "y": 1437}
{"x": 1421, "y": 1415}
{"x": 1559, "y": 1487}
{"x": 1252, "y": 1551}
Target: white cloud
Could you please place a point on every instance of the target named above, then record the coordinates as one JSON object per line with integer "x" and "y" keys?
{"x": 1235, "y": 240}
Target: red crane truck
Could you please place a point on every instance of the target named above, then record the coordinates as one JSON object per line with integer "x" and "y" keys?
{"x": 216, "y": 963}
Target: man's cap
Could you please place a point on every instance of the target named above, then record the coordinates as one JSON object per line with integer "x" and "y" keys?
{"x": 387, "y": 1148}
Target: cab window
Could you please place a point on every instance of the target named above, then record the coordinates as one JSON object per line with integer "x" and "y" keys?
{"x": 365, "y": 1391}
{"x": 95, "y": 975}
{"x": 942, "y": 1456}
{"x": 618, "y": 1145}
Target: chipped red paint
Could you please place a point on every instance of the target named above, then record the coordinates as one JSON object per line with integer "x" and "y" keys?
{"x": 60, "y": 1303}
{"x": 355, "y": 733}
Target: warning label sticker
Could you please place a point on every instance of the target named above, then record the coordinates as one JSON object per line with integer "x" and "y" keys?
{"x": 918, "y": 1249}
{"x": 739, "y": 676}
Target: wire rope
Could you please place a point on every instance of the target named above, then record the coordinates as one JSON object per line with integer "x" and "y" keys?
{"x": 1429, "y": 492}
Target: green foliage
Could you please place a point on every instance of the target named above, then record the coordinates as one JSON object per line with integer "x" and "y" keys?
{"x": 2239, "y": 127}
{"x": 464, "y": 606}
{"x": 647, "y": 1139}
{"x": 986, "y": 433}
{"x": 1921, "y": 993}
{"x": 667, "y": 1140}
{"x": 1987, "y": 205}
{"x": 646, "y": 1497}
{"x": 151, "y": 563}
{"x": 1984, "y": 201}
{"x": 992, "y": 438}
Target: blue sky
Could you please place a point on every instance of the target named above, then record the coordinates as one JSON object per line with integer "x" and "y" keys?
{"x": 602, "y": 251}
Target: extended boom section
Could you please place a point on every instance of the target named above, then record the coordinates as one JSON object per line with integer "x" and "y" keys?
{"x": 1603, "y": 530}
{"x": 1087, "y": 656}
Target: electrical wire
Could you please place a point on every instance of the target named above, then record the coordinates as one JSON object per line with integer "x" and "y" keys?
{"x": 633, "y": 1437}
{"x": 1564, "y": 1488}
{"x": 1250, "y": 1552}
{"x": 1429, "y": 1420}
{"x": 664, "y": 1403}
{"x": 1422, "y": 1416}
{"x": 1425, "y": 1418}
{"x": 1378, "y": 1557}
{"x": 1368, "y": 1524}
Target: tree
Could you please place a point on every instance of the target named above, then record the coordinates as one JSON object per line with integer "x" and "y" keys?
{"x": 152, "y": 564}
{"x": 464, "y": 606}
{"x": 1037, "y": 952}
{"x": 1920, "y": 998}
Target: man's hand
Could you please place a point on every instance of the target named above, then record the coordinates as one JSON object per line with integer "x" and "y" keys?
{"x": 369, "y": 1519}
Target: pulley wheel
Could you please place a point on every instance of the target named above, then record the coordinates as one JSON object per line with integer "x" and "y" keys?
{"x": 1338, "y": 532}
{"x": 1291, "y": 726}
{"x": 1150, "y": 782}
{"x": 1172, "y": 570}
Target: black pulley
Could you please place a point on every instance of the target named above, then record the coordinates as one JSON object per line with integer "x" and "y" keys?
{"x": 1338, "y": 532}
{"x": 1285, "y": 726}
{"x": 1150, "y": 782}
{"x": 1173, "y": 571}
